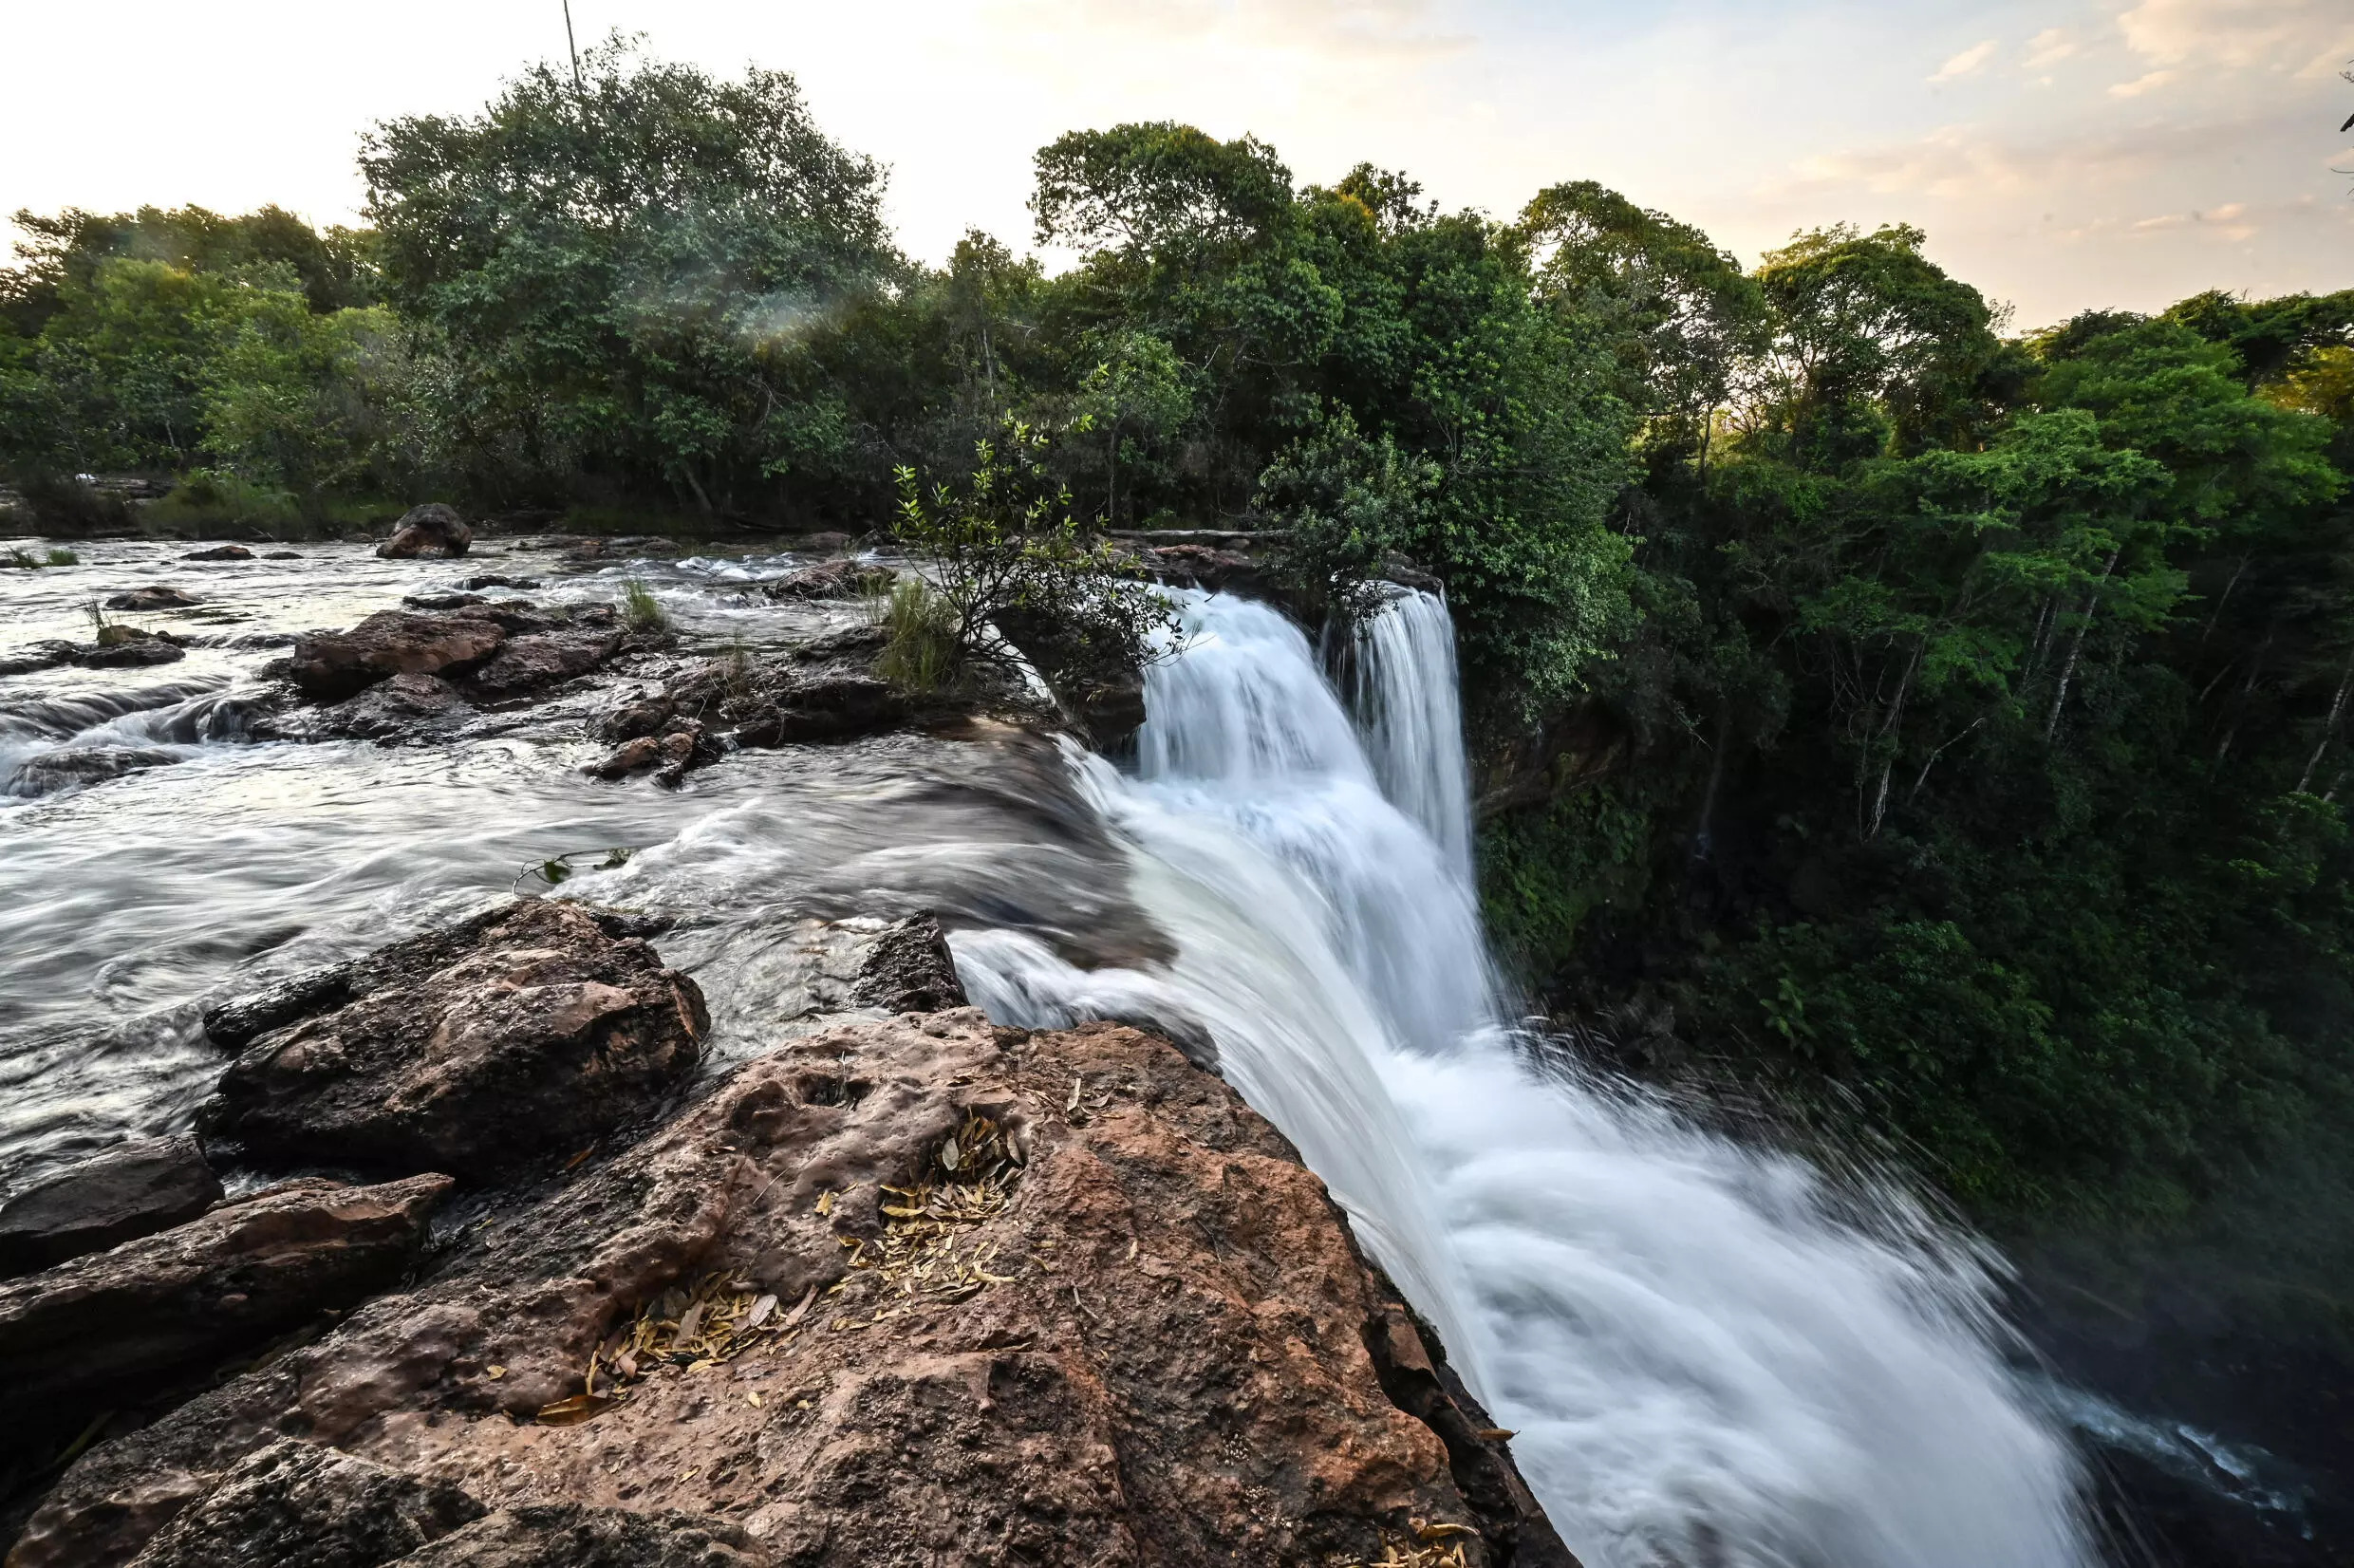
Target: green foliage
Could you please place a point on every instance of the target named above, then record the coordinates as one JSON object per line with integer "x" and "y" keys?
{"x": 59, "y": 556}
{"x": 1345, "y": 506}
{"x": 639, "y": 610}
{"x": 1007, "y": 559}
{"x": 627, "y": 280}
{"x": 921, "y": 649}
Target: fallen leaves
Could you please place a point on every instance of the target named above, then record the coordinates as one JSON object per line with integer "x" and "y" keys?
{"x": 715, "y": 1320}
{"x": 921, "y": 1258}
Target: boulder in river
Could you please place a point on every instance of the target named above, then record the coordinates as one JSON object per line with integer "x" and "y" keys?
{"x": 328, "y": 666}
{"x": 221, "y": 553}
{"x": 844, "y": 579}
{"x": 909, "y": 969}
{"x": 494, "y": 651}
{"x": 153, "y": 596}
{"x": 110, "y": 1328}
{"x": 133, "y": 1189}
{"x": 525, "y": 1031}
{"x": 914, "y": 1290}
{"x": 432, "y": 529}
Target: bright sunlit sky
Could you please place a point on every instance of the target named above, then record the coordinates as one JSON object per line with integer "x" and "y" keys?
{"x": 2061, "y": 154}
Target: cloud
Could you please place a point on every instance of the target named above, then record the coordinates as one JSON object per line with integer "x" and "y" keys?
{"x": 2237, "y": 34}
{"x": 2047, "y": 49}
{"x": 1968, "y": 63}
{"x": 2141, "y": 85}
{"x": 2232, "y": 221}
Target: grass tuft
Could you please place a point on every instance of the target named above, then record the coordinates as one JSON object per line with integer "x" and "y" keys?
{"x": 920, "y": 650}
{"x": 641, "y": 609}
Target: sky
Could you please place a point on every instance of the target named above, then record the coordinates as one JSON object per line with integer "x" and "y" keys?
{"x": 2060, "y": 155}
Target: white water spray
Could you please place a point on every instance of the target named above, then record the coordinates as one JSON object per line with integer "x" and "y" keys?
{"x": 1706, "y": 1368}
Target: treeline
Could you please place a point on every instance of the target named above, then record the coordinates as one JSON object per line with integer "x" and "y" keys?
{"x": 1866, "y": 696}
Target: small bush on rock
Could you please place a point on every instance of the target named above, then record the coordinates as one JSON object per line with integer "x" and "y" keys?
{"x": 1006, "y": 552}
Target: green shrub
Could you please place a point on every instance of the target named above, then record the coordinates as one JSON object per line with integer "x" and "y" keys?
{"x": 212, "y": 496}
{"x": 59, "y": 556}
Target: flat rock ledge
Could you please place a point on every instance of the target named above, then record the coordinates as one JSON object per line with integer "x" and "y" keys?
{"x": 916, "y": 1290}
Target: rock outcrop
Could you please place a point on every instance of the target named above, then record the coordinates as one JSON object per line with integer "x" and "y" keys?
{"x": 133, "y": 1189}
{"x": 486, "y": 651}
{"x": 921, "y": 1290}
{"x": 110, "y": 1328}
{"x": 909, "y": 969}
{"x": 428, "y": 530}
{"x": 525, "y": 1031}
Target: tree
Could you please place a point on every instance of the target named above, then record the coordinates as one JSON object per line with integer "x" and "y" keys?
{"x": 628, "y": 276}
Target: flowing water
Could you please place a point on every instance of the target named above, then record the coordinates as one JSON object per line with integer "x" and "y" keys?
{"x": 1712, "y": 1356}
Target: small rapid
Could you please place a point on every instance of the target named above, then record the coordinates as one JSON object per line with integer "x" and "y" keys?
{"x": 1712, "y": 1356}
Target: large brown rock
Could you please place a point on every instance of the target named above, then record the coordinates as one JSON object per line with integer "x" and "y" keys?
{"x": 428, "y": 530}
{"x": 526, "y": 1029}
{"x": 842, "y": 579}
{"x": 328, "y": 666}
{"x": 110, "y": 1328}
{"x": 133, "y": 1189}
{"x": 909, "y": 969}
{"x": 1056, "y": 1299}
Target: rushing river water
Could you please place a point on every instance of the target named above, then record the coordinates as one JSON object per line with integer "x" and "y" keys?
{"x": 1710, "y": 1359}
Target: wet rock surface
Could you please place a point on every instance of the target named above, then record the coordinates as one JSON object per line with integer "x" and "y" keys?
{"x": 221, "y": 553}
{"x": 105, "y": 1329}
{"x": 432, "y": 529}
{"x": 526, "y": 1029}
{"x": 133, "y": 1189}
{"x": 906, "y": 1291}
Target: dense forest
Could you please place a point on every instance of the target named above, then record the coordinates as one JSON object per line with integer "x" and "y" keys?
{"x": 1873, "y": 699}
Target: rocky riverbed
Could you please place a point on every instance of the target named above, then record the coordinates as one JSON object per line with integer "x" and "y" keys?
{"x": 695, "y": 1219}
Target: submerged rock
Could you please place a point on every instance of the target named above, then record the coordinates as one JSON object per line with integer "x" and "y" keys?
{"x": 108, "y": 1328}
{"x": 133, "y": 1189}
{"x": 153, "y": 596}
{"x": 525, "y": 1031}
{"x": 45, "y": 772}
{"x": 1090, "y": 1309}
{"x": 428, "y": 530}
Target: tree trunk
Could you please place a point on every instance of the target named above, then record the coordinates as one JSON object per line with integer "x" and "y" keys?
{"x": 2329, "y": 728}
{"x": 2076, "y": 647}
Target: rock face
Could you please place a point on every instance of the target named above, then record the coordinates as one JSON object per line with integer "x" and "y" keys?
{"x": 130, "y": 1190}
{"x": 299, "y": 1504}
{"x": 524, "y": 1031}
{"x": 916, "y": 1291}
{"x": 428, "y": 530}
{"x": 82, "y": 1337}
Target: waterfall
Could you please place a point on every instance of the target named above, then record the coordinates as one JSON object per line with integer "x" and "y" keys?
{"x": 1706, "y": 1364}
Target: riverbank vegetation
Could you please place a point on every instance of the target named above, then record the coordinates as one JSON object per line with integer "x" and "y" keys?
{"x": 1921, "y": 710}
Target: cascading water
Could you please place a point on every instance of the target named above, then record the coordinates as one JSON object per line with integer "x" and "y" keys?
{"x": 1705, "y": 1365}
